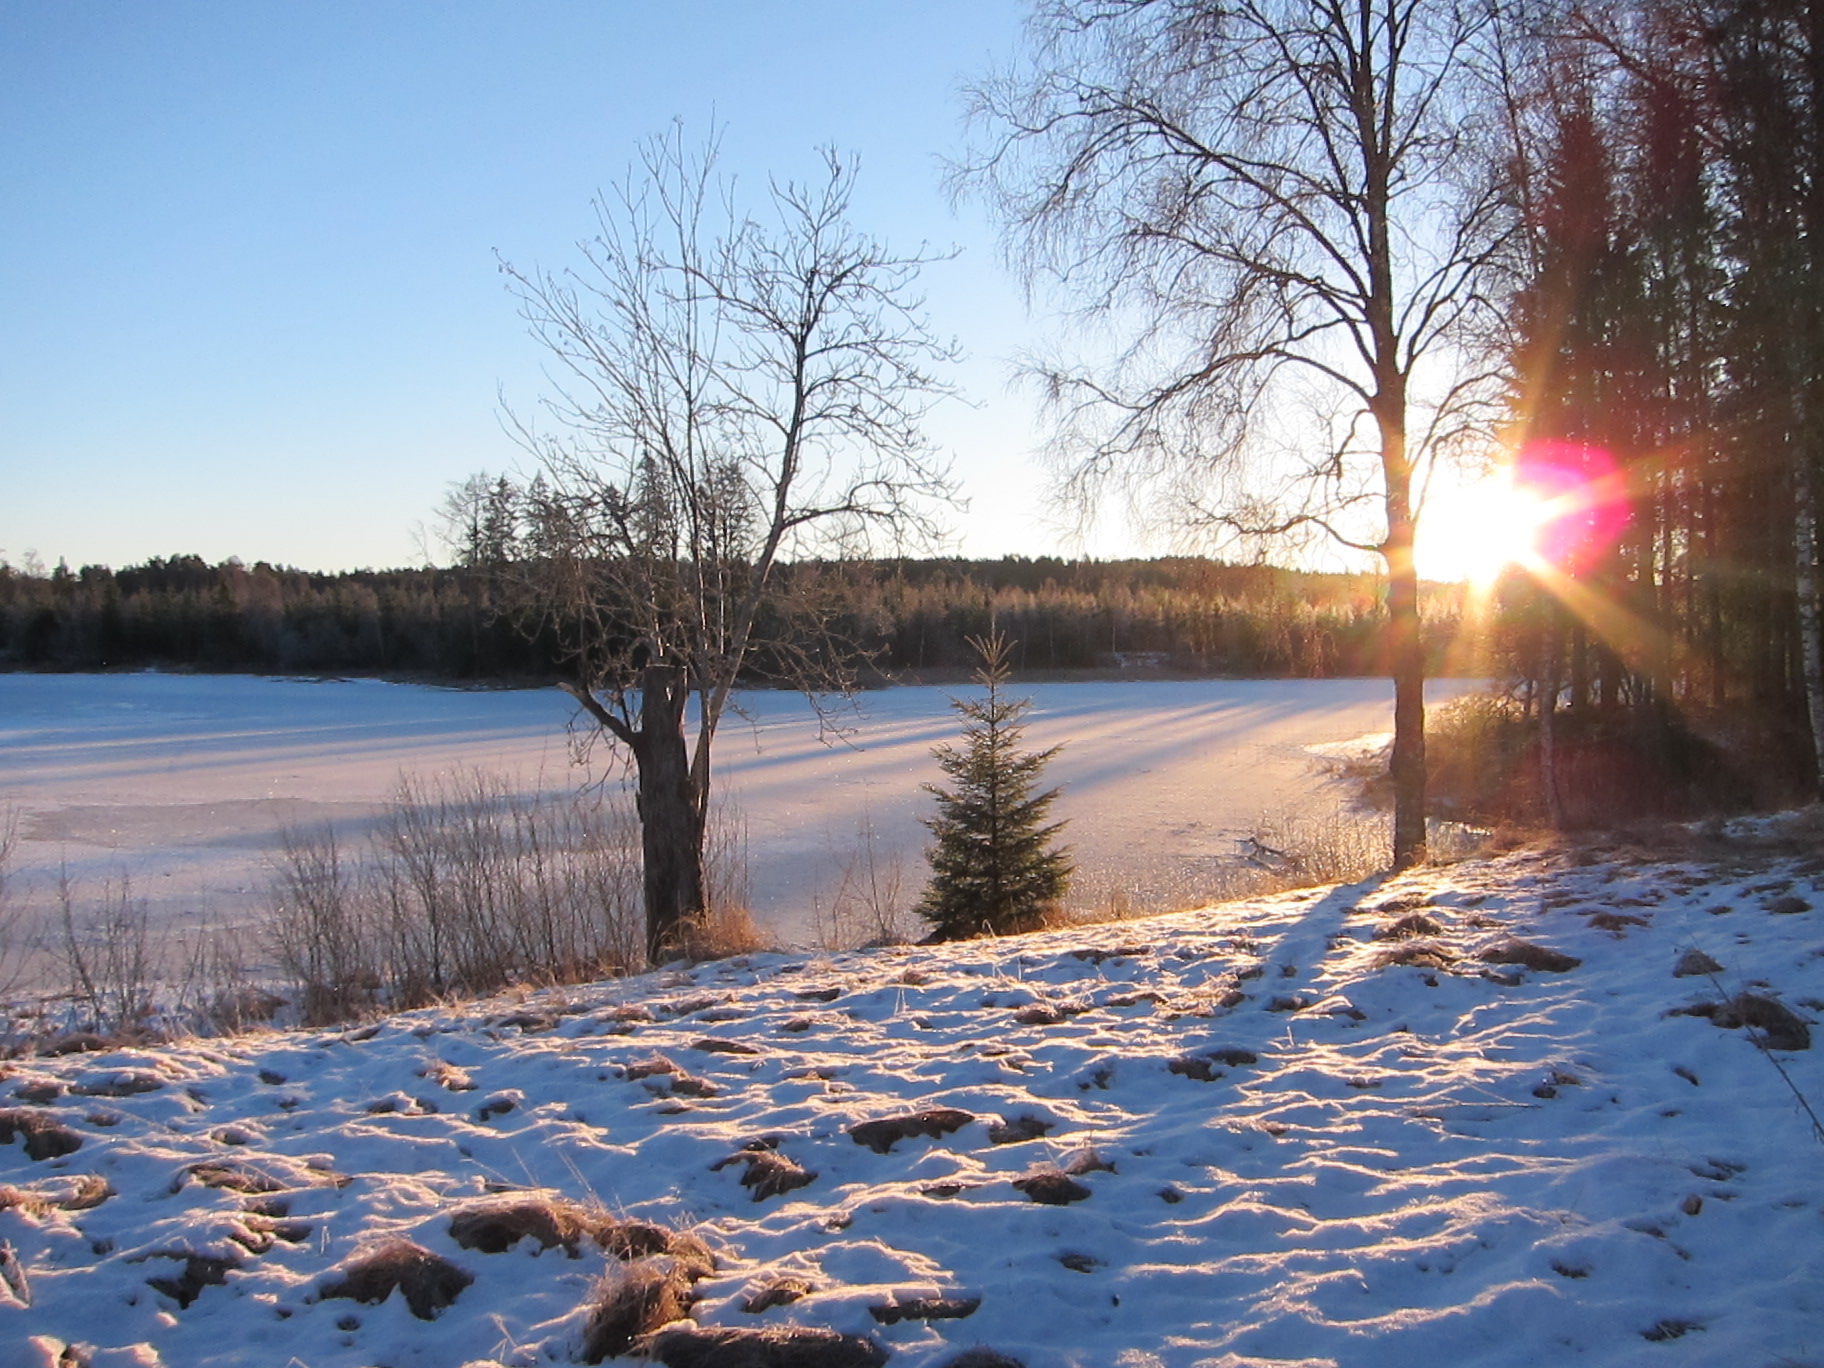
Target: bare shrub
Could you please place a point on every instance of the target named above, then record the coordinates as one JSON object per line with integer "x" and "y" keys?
{"x": 319, "y": 928}
{"x": 17, "y": 948}
{"x": 482, "y": 887}
{"x": 14, "y": 947}
{"x": 208, "y": 983}
{"x": 1342, "y": 844}
{"x": 870, "y": 904}
{"x": 466, "y": 886}
{"x": 109, "y": 956}
{"x": 727, "y": 880}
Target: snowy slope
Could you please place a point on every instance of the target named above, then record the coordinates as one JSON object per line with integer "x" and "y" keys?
{"x": 1284, "y": 1153}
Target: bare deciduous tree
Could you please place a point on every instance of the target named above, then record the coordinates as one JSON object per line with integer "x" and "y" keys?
{"x": 734, "y": 391}
{"x": 1280, "y": 205}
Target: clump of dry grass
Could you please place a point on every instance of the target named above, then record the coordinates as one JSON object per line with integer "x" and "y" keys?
{"x": 1530, "y": 956}
{"x": 79, "y": 1192}
{"x": 649, "y": 1287}
{"x": 495, "y": 1227}
{"x": 235, "y": 1177}
{"x": 1409, "y": 927}
{"x": 45, "y": 1137}
{"x": 722, "y": 931}
{"x": 1050, "y": 1187}
{"x": 1422, "y": 954}
{"x": 630, "y": 1240}
{"x": 780, "y": 1290}
{"x": 427, "y": 1281}
{"x": 721, "y": 1346}
{"x": 933, "y": 1123}
{"x": 634, "y": 1299}
{"x": 198, "y": 1271}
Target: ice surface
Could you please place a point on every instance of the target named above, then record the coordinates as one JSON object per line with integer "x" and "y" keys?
{"x": 182, "y": 783}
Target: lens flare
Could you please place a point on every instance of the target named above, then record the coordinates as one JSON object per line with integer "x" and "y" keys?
{"x": 1582, "y": 501}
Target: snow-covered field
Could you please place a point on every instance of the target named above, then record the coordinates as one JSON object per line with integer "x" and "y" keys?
{"x": 1237, "y": 1136}
{"x": 182, "y": 784}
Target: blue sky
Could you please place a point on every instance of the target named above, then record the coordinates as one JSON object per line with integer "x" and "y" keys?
{"x": 249, "y": 302}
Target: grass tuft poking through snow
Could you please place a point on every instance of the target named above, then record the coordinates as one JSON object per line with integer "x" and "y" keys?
{"x": 1547, "y": 1108}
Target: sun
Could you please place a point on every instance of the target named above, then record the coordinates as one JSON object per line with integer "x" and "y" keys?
{"x": 1474, "y": 531}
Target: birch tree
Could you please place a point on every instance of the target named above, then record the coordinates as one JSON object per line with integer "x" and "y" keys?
{"x": 1281, "y": 209}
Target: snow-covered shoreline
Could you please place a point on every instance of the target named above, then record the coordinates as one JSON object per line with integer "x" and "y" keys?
{"x": 1284, "y": 1149}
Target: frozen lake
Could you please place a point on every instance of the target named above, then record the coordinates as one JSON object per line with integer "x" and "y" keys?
{"x": 182, "y": 783}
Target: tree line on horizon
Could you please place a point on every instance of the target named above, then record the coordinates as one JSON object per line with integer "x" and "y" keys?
{"x": 467, "y": 623}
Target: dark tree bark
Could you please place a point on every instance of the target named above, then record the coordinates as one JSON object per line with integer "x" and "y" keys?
{"x": 672, "y": 811}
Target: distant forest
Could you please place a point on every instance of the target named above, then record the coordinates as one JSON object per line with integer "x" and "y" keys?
{"x": 1183, "y": 615}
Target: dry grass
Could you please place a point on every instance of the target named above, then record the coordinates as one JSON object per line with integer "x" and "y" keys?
{"x": 44, "y": 1136}
{"x": 780, "y": 1290}
{"x": 933, "y": 1123}
{"x": 1412, "y": 925}
{"x": 1530, "y": 956}
{"x": 495, "y": 1227}
{"x": 782, "y": 1347}
{"x": 235, "y": 1177}
{"x": 427, "y": 1281}
{"x": 722, "y": 931}
{"x": 1422, "y": 954}
{"x": 187, "y": 1283}
{"x": 631, "y": 1300}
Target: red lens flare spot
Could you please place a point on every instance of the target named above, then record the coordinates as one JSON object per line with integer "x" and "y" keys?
{"x": 1582, "y": 500}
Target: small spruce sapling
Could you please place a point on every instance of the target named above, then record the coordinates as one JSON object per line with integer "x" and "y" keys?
{"x": 994, "y": 866}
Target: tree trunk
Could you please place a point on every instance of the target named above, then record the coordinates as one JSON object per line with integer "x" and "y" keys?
{"x": 1805, "y": 585}
{"x": 1548, "y": 735}
{"x": 671, "y": 812}
{"x": 1406, "y": 653}
{"x": 1810, "y": 404}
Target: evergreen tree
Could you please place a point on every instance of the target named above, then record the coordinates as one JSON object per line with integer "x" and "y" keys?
{"x": 994, "y": 868}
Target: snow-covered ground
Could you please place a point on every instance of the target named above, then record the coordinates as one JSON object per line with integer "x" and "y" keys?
{"x": 182, "y": 784}
{"x": 1236, "y": 1136}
